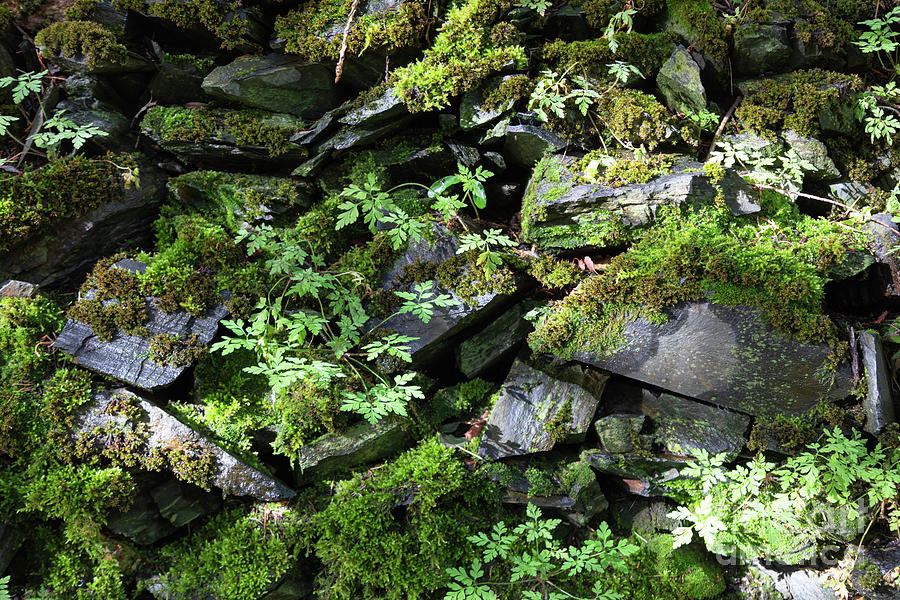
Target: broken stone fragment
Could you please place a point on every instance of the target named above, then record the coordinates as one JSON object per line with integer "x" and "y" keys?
{"x": 683, "y": 426}
{"x": 484, "y": 350}
{"x": 363, "y": 443}
{"x": 157, "y": 433}
{"x": 126, "y": 356}
{"x": 878, "y": 403}
{"x": 536, "y": 410}
{"x": 729, "y": 356}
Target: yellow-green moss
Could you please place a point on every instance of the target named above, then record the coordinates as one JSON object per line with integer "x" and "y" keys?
{"x": 81, "y": 38}
{"x": 700, "y": 22}
{"x": 647, "y": 52}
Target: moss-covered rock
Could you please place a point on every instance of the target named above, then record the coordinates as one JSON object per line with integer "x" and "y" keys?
{"x": 690, "y": 569}
{"x": 86, "y": 46}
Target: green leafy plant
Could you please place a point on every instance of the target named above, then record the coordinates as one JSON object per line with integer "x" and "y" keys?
{"x": 531, "y": 561}
{"x": 383, "y": 399}
{"x": 877, "y": 109}
{"x": 4, "y": 588}
{"x": 486, "y": 245}
{"x": 472, "y": 184}
{"x": 539, "y": 6}
{"x": 59, "y": 128}
{"x": 619, "y": 22}
{"x": 881, "y": 39}
{"x": 423, "y": 300}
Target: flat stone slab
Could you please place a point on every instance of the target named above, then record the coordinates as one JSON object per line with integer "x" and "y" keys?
{"x": 530, "y": 401}
{"x": 729, "y": 356}
{"x": 360, "y": 444}
{"x": 480, "y": 353}
{"x": 684, "y": 425}
{"x": 165, "y": 431}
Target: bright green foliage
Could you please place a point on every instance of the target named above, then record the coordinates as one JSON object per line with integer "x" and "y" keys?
{"x": 378, "y": 206}
{"x": 23, "y": 322}
{"x": 881, "y": 37}
{"x": 410, "y": 518}
{"x": 23, "y": 85}
{"x": 383, "y": 399}
{"x": 757, "y": 509}
{"x": 645, "y": 51}
{"x": 528, "y": 562}
{"x": 694, "y": 573}
{"x": 693, "y": 254}
{"x": 469, "y": 47}
{"x": 58, "y": 129}
{"x": 486, "y": 245}
{"x": 86, "y": 39}
{"x": 423, "y": 301}
{"x": 237, "y": 555}
{"x": 473, "y": 190}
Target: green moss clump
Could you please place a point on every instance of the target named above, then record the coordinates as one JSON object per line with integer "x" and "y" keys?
{"x": 469, "y": 47}
{"x": 599, "y": 12}
{"x": 553, "y": 273}
{"x": 304, "y": 411}
{"x": 403, "y": 27}
{"x": 237, "y": 555}
{"x": 82, "y": 38}
{"x": 693, "y": 254}
{"x": 410, "y": 517}
{"x": 700, "y": 23}
{"x": 473, "y": 394}
{"x": 647, "y": 52}
{"x": 540, "y": 483}
{"x": 111, "y": 298}
{"x": 634, "y": 116}
{"x": 796, "y": 101}
{"x": 81, "y": 10}
{"x": 624, "y": 170}
{"x": 67, "y": 390}
{"x": 241, "y": 127}
{"x": 823, "y": 23}
{"x": 511, "y": 89}
{"x": 66, "y": 188}
{"x": 167, "y": 349}
{"x": 23, "y": 322}
{"x": 221, "y": 18}
{"x": 693, "y": 571}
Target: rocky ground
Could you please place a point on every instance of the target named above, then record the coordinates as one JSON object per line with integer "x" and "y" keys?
{"x": 313, "y": 299}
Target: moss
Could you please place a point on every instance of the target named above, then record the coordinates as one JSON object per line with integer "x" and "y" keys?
{"x": 647, "y": 52}
{"x": 221, "y": 18}
{"x": 166, "y": 349}
{"x": 411, "y": 517}
{"x": 470, "y": 45}
{"x": 622, "y": 170}
{"x": 634, "y": 116}
{"x": 468, "y": 280}
{"x": 870, "y": 577}
{"x": 67, "y": 390}
{"x": 553, "y": 273}
{"x": 472, "y": 394}
{"x": 201, "y": 64}
{"x": 241, "y": 127}
{"x": 111, "y": 298}
{"x": 540, "y": 483}
{"x": 693, "y": 254}
{"x": 304, "y": 411}
{"x": 825, "y": 24}
{"x": 81, "y": 10}
{"x": 700, "y": 22}
{"x": 369, "y": 260}
{"x": 796, "y": 100}
{"x": 239, "y": 554}
{"x": 32, "y": 203}
{"x": 692, "y": 570}
{"x": 509, "y": 90}
{"x": 599, "y": 12}
{"x": 559, "y": 426}
{"x": 304, "y": 29}
{"x": 24, "y": 322}
{"x": 82, "y": 38}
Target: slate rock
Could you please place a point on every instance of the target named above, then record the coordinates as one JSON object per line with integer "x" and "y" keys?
{"x": 141, "y": 523}
{"x": 679, "y": 82}
{"x": 524, "y": 145}
{"x": 17, "y": 289}
{"x": 435, "y": 337}
{"x": 473, "y": 112}
{"x": 883, "y": 239}
{"x": 560, "y": 213}
{"x": 117, "y": 127}
{"x": 232, "y": 475}
{"x": 480, "y": 353}
{"x": 761, "y": 48}
{"x": 618, "y": 432}
{"x": 683, "y": 426}
{"x": 360, "y": 444}
{"x": 178, "y": 84}
{"x": 642, "y": 475}
{"x": 276, "y": 195}
{"x": 382, "y": 109}
{"x": 133, "y": 63}
{"x": 878, "y": 403}
{"x": 61, "y": 259}
{"x": 814, "y": 152}
{"x": 277, "y": 83}
{"x": 11, "y": 539}
{"x": 881, "y": 558}
{"x": 796, "y": 584}
{"x": 725, "y": 355}
{"x": 126, "y": 356}
{"x": 530, "y": 401}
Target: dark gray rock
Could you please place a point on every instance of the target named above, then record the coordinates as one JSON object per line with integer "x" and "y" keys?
{"x": 133, "y": 63}
{"x": 11, "y": 539}
{"x": 524, "y": 145}
{"x": 761, "y": 48}
{"x": 493, "y": 344}
{"x": 558, "y": 212}
{"x": 533, "y": 403}
{"x": 679, "y": 82}
{"x": 178, "y": 84}
{"x": 878, "y": 403}
{"x": 61, "y": 259}
{"x": 164, "y": 431}
{"x": 277, "y": 83}
{"x": 473, "y": 112}
{"x": 117, "y": 127}
{"x": 876, "y": 559}
{"x": 814, "y": 152}
{"x": 385, "y": 108}
{"x": 435, "y": 337}
{"x": 619, "y": 432}
{"x": 142, "y": 522}
{"x": 725, "y": 355}
{"x": 126, "y": 356}
{"x": 796, "y": 584}
{"x": 641, "y": 475}
{"x": 363, "y": 443}
{"x": 883, "y": 239}
{"x": 848, "y": 192}
{"x": 254, "y": 196}
{"x": 682, "y": 426}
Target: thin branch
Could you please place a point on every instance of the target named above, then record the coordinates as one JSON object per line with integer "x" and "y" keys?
{"x": 725, "y": 119}
{"x": 339, "y": 69}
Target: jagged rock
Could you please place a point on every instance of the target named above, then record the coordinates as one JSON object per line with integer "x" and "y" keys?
{"x": 17, "y": 289}
{"x": 679, "y": 82}
{"x": 11, "y": 538}
{"x": 761, "y": 48}
{"x": 91, "y": 91}
{"x": 385, "y": 108}
{"x": 618, "y": 432}
{"x": 142, "y": 522}
{"x": 725, "y": 355}
{"x": 848, "y": 192}
{"x": 363, "y": 443}
{"x": 481, "y": 352}
{"x": 126, "y": 356}
{"x": 878, "y": 403}
{"x": 164, "y": 432}
{"x": 434, "y": 338}
{"x": 474, "y": 113}
{"x": 535, "y": 410}
{"x": 60, "y": 260}
{"x": 558, "y": 212}
{"x": 642, "y": 476}
{"x": 524, "y": 145}
{"x": 277, "y": 83}
{"x": 883, "y": 240}
{"x": 178, "y": 84}
{"x": 681, "y": 426}
{"x": 814, "y": 152}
